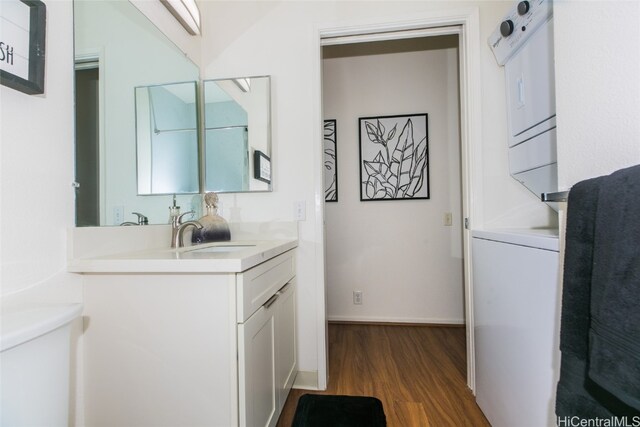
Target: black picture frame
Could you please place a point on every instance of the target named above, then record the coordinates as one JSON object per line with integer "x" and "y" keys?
{"x": 261, "y": 167}
{"x": 394, "y": 157}
{"x": 330, "y": 160}
{"x": 34, "y": 84}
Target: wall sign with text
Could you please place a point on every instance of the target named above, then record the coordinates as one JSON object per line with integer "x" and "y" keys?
{"x": 22, "y": 45}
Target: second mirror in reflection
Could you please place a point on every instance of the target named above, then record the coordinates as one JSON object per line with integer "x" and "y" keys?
{"x": 237, "y": 124}
{"x": 167, "y": 139}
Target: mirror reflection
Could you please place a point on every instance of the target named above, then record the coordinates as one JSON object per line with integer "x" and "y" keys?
{"x": 136, "y": 146}
{"x": 237, "y": 124}
{"x": 167, "y": 139}
{"x": 118, "y": 49}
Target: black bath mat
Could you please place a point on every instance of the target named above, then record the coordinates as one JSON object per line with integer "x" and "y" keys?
{"x": 318, "y": 410}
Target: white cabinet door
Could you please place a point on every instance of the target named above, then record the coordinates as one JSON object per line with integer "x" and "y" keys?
{"x": 267, "y": 359}
{"x": 286, "y": 360}
{"x": 256, "y": 360}
{"x": 516, "y": 304}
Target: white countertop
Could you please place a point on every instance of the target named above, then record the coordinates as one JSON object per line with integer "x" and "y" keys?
{"x": 531, "y": 237}
{"x": 246, "y": 254}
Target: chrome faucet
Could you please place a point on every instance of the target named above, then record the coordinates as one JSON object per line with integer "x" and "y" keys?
{"x": 142, "y": 220}
{"x": 178, "y": 227}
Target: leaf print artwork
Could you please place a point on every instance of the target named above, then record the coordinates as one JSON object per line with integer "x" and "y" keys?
{"x": 394, "y": 168}
{"x": 330, "y": 162}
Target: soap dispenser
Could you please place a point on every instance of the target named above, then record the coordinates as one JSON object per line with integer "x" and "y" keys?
{"x": 174, "y": 211}
{"x": 214, "y": 227}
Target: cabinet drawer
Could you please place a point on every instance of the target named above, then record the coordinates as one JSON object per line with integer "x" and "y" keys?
{"x": 257, "y": 285}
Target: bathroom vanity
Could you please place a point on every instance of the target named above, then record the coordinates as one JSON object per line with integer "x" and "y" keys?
{"x": 189, "y": 337}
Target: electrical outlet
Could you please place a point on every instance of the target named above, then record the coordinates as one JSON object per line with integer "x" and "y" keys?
{"x": 448, "y": 219}
{"x": 357, "y": 297}
{"x": 118, "y": 215}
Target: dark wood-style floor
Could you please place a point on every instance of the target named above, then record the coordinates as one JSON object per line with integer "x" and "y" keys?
{"x": 418, "y": 372}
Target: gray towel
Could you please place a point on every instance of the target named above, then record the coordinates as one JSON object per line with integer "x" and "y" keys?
{"x": 614, "y": 336}
{"x": 576, "y": 394}
{"x": 599, "y": 370}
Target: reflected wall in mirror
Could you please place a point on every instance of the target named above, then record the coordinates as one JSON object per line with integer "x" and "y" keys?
{"x": 167, "y": 139}
{"x": 125, "y": 50}
{"x": 237, "y": 123}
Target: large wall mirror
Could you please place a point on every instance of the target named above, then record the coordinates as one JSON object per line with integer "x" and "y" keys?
{"x": 118, "y": 49}
{"x": 137, "y": 137}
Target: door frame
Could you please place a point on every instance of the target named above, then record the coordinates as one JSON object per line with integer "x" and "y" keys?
{"x": 466, "y": 23}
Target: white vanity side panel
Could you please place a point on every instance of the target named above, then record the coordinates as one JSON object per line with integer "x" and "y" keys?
{"x": 157, "y": 350}
{"x": 516, "y": 303}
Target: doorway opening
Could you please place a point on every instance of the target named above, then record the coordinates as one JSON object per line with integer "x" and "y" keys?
{"x": 394, "y": 108}
{"x": 465, "y": 26}
{"x": 394, "y": 221}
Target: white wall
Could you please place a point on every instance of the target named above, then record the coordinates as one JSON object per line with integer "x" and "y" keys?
{"x": 37, "y": 167}
{"x": 37, "y": 200}
{"x": 280, "y": 39}
{"x": 407, "y": 263}
{"x": 597, "y": 48}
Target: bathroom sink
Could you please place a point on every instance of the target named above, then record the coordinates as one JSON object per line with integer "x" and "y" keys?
{"x": 221, "y": 248}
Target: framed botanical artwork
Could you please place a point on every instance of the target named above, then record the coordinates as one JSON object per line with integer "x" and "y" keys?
{"x": 22, "y": 45}
{"x": 394, "y": 157}
{"x": 330, "y": 162}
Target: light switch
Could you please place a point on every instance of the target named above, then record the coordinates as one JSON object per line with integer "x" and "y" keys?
{"x": 300, "y": 210}
{"x": 448, "y": 219}
{"x": 118, "y": 215}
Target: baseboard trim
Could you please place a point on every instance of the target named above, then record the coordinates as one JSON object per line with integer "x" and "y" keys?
{"x": 306, "y": 380}
{"x": 396, "y": 321}
{"x": 422, "y": 325}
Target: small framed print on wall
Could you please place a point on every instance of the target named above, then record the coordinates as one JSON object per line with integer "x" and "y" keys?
{"x": 22, "y": 45}
{"x": 261, "y": 167}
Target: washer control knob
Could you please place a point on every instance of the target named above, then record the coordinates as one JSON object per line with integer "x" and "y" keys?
{"x": 523, "y": 7}
{"x": 506, "y": 28}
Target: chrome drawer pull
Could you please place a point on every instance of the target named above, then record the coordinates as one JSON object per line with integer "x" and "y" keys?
{"x": 271, "y": 300}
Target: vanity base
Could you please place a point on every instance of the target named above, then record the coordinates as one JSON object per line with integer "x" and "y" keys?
{"x": 210, "y": 349}
{"x": 160, "y": 350}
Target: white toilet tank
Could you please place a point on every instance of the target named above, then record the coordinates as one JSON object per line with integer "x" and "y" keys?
{"x": 34, "y": 365}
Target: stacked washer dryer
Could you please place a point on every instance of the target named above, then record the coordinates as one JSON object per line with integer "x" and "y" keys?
{"x": 523, "y": 43}
{"x": 515, "y": 272}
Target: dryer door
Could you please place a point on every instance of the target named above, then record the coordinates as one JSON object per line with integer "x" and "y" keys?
{"x": 530, "y": 82}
